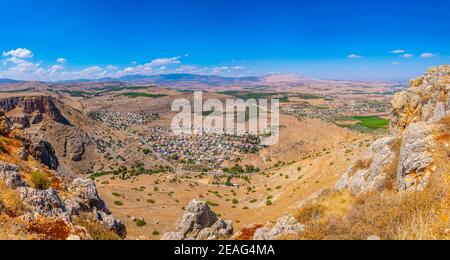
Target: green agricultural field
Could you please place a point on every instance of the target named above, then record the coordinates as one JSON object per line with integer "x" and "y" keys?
{"x": 138, "y": 94}
{"x": 365, "y": 124}
{"x": 372, "y": 122}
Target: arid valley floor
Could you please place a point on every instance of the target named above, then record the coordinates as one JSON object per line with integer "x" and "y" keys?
{"x": 109, "y": 125}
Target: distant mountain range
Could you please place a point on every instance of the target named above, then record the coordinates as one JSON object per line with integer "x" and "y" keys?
{"x": 179, "y": 79}
{"x": 9, "y": 81}
{"x": 193, "y": 80}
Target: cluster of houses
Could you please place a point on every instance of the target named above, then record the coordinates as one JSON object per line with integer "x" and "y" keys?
{"x": 208, "y": 149}
{"x": 336, "y": 109}
{"x": 121, "y": 120}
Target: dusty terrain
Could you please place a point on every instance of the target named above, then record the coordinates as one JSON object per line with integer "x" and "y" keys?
{"x": 309, "y": 157}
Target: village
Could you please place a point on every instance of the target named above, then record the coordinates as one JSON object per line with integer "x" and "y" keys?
{"x": 208, "y": 149}
{"x": 334, "y": 109}
{"x": 122, "y": 120}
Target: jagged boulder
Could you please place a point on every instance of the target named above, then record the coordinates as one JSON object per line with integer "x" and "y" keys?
{"x": 200, "y": 222}
{"x": 368, "y": 173}
{"x": 75, "y": 146}
{"x": 177, "y": 236}
{"x": 9, "y": 173}
{"x": 221, "y": 229}
{"x": 283, "y": 228}
{"x": 86, "y": 192}
{"x": 197, "y": 216}
{"x": 415, "y": 156}
{"x": 42, "y": 202}
{"x": 111, "y": 222}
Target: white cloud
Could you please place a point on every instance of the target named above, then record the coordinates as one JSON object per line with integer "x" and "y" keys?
{"x": 18, "y": 53}
{"x": 61, "y": 60}
{"x": 112, "y": 68}
{"x": 16, "y": 60}
{"x": 354, "y": 56}
{"x": 427, "y": 55}
{"x": 408, "y": 55}
{"x": 398, "y": 51}
{"x": 57, "y": 68}
{"x": 165, "y": 61}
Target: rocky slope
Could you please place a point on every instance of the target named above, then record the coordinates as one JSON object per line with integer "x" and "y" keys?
{"x": 55, "y": 134}
{"x": 398, "y": 190}
{"x": 35, "y": 204}
{"x": 417, "y": 120}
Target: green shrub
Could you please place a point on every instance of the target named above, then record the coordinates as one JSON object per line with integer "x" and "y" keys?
{"x": 140, "y": 222}
{"x": 212, "y": 204}
{"x": 40, "y": 180}
{"x": 118, "y": 203}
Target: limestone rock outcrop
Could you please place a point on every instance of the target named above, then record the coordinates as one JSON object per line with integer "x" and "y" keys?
{"x": 75, "y": 146}
{"x": 9, "y": 174}
{"x": 284, "y": 227}
{"x": 81, "y": 200}
{"x": 200, "y": 222}
{"x": 416, "y": 113}
{"x": 368, "y": 172}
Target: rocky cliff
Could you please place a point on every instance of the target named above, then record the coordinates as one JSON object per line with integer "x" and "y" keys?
{"x": 419, "y": 121}
{"x": 27, "y": 110}
{"x": 399, "y": 189}
{"x": 36, "y": 204}
{"x": 54, "y": 133}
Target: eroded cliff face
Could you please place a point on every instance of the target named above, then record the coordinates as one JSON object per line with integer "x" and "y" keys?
{"x": 50, "y": 131}
{"x": 24, "y": 111}
{"x": 419, "y": 117}
{"x": 36, "y": 204}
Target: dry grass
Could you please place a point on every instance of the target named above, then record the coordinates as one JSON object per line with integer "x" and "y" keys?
{"x": 247, "y": 233}
{"x": 389, "y": 215}
{"x": 4, "y": 144}
{"x": 96, "y": 230}
{"x": 360, "y": 165}
{"x": 10, "y": 199}
{"x": 48, "y": 229}
{"x": 392, "y": 168}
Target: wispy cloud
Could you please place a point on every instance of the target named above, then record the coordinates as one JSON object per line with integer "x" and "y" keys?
{"x": 165, "y": 61}
{"x": 61, "y": 60}
{"x": 408, "y": 55}
{"x": 427, "y": 55}
{"x": 398, "y": 51}
{"x": 354, "y": 56}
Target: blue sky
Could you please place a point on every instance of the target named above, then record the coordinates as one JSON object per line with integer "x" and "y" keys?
{"x": 53, "y": 39}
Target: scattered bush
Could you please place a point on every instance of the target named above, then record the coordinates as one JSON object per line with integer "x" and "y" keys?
{"x": 40, "y": 180}
{"x": 96, "y": 230}
{"x": 140, "y": 222}
{"x": 118, "y": 203}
